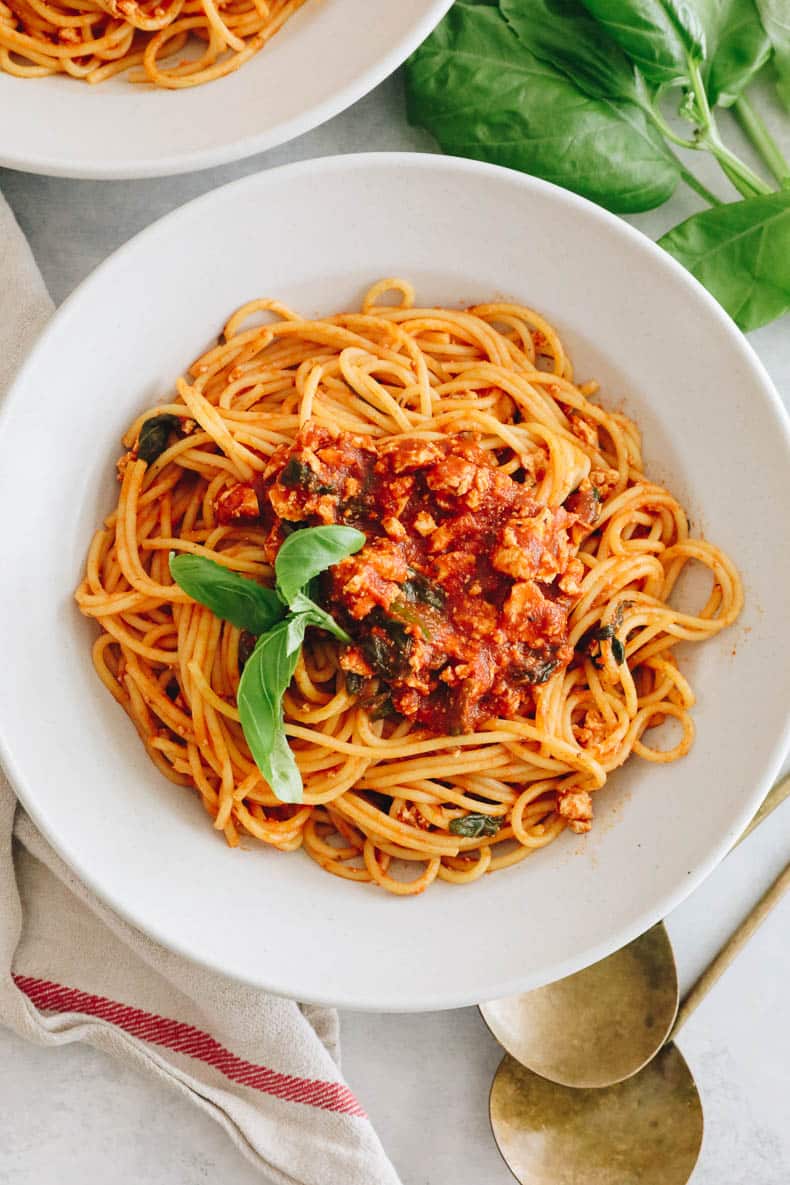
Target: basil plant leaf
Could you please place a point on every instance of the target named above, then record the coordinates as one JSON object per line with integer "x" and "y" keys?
{"x": 738, "y": 47}
{"x": 314, "y": 615}
{"x": 307, "y": 553}
{"x": 484, "y": 94}
{"x": 265, "y": 679}
{"x": 686, "y": 17}
{"x": 775, "y": 16}
{"x": 741, "y": 253}
{"x": 657, "y": 35}
{"x": 235, "y": 598}
{"x": 563, "y": 33}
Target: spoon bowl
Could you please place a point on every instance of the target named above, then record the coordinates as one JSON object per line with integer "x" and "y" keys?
{"x": 599, "y": 1026}
{"x": 646, "y": 1129}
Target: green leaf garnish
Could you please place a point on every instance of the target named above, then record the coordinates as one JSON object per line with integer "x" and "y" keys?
{"x": 306, "y": 607}
{"x": 474, "y": 825}
{"x": 280, "y": 618}
{"x": 235, "y": 598}
{"x": 420, "y": 588}
{"x": 154, "y": 436}
{"x": 401, "y": 610}
{"x": 307, "y": 553}
{"x": 265, "y": 680}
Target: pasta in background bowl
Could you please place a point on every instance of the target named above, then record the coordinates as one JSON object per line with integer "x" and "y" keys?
{"x": 269, "y": 70}
{"x": 666, "y": 356}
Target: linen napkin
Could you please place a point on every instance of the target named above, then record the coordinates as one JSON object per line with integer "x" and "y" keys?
{"x": 266, "y": 1068}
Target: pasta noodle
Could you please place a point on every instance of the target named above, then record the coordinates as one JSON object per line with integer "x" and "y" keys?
{"x": 98, "y": 39}
{"x": 383, "y": 797}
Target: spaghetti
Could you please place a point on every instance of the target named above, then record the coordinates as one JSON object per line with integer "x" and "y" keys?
{"x": 387, "y": 798}
{"x": 97, "y": 39}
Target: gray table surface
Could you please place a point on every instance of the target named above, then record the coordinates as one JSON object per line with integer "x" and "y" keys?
{"x": 70, "y": 1116}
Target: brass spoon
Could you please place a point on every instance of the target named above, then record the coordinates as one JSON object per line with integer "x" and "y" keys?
{"x": 604, "y": 1023}
{"x": 646, "y": 1129}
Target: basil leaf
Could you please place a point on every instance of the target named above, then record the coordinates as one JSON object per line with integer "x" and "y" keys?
{"x": 775, "y": 15}
{"x": 420, "y": 588}
{"x": 401, "y": 610}
{"x": 237, "y": 599}
{"x": 738, "y": 47}
{"x": 686, "y": 18}
{"x": 154, "y": 436}
{"x": 265, "y": 679}
{"x": 307, "y": 553}
{"x": 313, "y": 614}
{"x": 298, "y": 474}
{"x": 544, "y": 671}
{"x": 354, "y": 682}
{"x": 657, "y": 35}
{"x": 483, "y": 94}
{"x": 379, "y": 706}
{"x": 296, "y": 625}
{"x": 472, "y": 826}
{"x": 563, "y": 33}
{"x": 741, "y": 253}
{"x": 282, "y": 772}
{"x": 618, "y": 651}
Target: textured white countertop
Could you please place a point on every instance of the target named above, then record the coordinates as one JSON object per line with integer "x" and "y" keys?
{"x": 73, "y": 1116}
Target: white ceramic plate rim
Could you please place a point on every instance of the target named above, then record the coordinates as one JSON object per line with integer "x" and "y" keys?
{"x": 766, "y": 767}
{"x": 290, "y": 129}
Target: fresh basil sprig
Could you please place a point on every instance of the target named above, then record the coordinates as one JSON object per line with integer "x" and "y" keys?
{"x": 576, "y": 92}
{"x": 280, "y": 617}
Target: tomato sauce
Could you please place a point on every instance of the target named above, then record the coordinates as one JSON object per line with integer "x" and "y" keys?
{"x": 458, "y": 604}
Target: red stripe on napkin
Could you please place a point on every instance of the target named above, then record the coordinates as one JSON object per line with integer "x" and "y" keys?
{"x": 185, "y": 1039}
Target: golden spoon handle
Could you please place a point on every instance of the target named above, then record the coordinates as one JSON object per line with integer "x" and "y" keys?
{"x": 731, "y": 950}
{"x": 774, "y": 798}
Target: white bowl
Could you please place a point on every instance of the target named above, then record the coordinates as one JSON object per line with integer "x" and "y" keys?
{"x": 328, "y": 55}
{"x": 316, "y": 234}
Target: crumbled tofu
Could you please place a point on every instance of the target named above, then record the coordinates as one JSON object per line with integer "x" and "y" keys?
{"x": 237, "y": 503}
{"x": 576, "y": 807}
